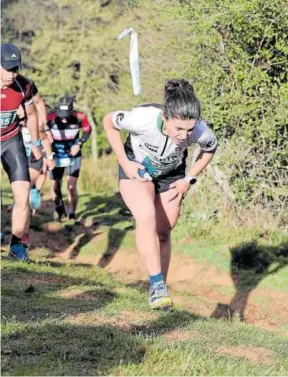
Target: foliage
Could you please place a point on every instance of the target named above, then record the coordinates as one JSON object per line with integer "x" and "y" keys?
{"x": 234, "y": 52}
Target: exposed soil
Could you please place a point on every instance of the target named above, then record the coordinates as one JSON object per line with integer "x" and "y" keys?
{"x": 252, "y": 354}
{"x": 199, "y": 288}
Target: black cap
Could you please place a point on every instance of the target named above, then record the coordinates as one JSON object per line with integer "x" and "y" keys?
{"x": 10, "y": 56}
{"x": 64, "y": 106}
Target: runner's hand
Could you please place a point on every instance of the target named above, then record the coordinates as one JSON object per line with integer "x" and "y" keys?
{"x": 50, "y": 164}
{"x": 45, "y": 166}
{"x": 75, "y": 149}
{"x": 37, "y": 153}
{"x": 180, "y": 187}
{"x": 131, "y": 170}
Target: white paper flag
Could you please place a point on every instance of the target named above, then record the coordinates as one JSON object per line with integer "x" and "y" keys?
{"x": 133, "y": 59}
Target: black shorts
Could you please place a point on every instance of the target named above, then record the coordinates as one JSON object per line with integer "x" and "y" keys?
{"x": 71, "y": 171}
{"x": 35, "y": 164}
{"x": 161, "y": 183}
{"x": 14, "y": 159}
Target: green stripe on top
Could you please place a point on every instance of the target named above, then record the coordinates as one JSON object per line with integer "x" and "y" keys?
{"x": 160, "y": 123}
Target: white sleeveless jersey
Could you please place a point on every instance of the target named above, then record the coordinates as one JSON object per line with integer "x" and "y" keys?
{"x": 26, "y": 136}
{"x": 147, "y": 144}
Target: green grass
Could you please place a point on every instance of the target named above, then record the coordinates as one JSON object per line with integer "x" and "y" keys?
{"x": 77, "y": 319}
{"x": 72, "y": 320}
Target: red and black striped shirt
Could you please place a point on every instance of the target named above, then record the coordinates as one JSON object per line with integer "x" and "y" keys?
{"x": 19, "y": 93}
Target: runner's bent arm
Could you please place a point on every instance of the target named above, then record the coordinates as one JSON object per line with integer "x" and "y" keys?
{"x": 202, "y": 161}
{"x": 207, "y": 142}
{"x": 114, "y": 138}
{"x": 86, "y": 131}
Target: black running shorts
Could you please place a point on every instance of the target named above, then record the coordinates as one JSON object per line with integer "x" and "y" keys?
{"x": 161, "y": 183}
{"x": 14, "y": 159}
{"x": 71, "y": 171}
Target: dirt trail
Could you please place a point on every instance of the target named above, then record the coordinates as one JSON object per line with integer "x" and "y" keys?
{"x": 199, "y": 288}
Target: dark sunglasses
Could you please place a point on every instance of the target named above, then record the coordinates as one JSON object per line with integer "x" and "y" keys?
{"x": 13, "y": 69}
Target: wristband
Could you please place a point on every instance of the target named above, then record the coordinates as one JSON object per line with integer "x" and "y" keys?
{"x": 36, "y": 143}
{"x": 50, "y": 156}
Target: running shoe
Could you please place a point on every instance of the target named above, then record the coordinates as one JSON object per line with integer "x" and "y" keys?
{"x": 159, "y": 297}
{"x": 72, "y": 216}
{"x": 18, "y": 252}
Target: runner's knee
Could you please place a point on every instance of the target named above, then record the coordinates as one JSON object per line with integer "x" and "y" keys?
{"x": 145, "y": 217}
{"x": 21, "y": 202}
{"x": 71, "y": 185}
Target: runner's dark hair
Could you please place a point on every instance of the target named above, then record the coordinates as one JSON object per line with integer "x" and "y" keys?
{"x": 180, "y": 100}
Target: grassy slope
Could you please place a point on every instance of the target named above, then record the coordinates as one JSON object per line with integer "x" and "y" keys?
{"x": 78, "y": 320}
{"x": 72, "y": 320}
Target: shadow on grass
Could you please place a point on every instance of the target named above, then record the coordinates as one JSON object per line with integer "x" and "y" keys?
{"x": 73, "y": 349}
{"x": 110, "y": 211}
{"x": 69, "y": 238}
{"x": 36, "y": 340}
{"x": 250, "y": 264}
{"x": 68, "y": 349}
{"x": 30, "y": 295}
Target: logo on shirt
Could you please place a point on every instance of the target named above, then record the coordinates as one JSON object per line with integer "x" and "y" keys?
{"x": 119, "y": 118}
{"x": 152, "y": 148}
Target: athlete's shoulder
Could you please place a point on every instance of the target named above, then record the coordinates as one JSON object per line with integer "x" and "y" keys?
{"x": 79, "y": 114}
{"x": 33, "y": 86}
{"x": 204, "y": 136}
{"x": 51, "y": 115}
{"x": 21, "y": 84}
{"x": 147, "y": 114}
{"x": 23, "y": 79}
{"x": 139, "y": 120}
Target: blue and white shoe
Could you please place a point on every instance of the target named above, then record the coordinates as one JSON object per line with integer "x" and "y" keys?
{"x": 159, "y": 297}
{"x": 35, "y": 198}
{"x": 18, "y": 252}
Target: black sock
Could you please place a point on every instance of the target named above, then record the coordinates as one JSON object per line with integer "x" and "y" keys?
{"x": 15, "y": 240}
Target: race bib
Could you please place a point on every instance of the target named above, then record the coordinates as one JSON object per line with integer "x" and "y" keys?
{"x": 64, "y": 162}
{"x": 7, "y": 118}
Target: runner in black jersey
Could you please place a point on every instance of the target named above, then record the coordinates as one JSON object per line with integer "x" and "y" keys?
{"x": 157, "y": 147}
{"x": 70, "y": 129}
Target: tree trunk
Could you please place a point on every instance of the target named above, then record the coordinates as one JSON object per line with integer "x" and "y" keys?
{"x": 93, "y": 134}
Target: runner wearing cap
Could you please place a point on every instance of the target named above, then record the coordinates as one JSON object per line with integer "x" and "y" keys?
{"x": 16, "y": 90}
{"x": 65, "y": 125}
{"x": 157, "y": 143}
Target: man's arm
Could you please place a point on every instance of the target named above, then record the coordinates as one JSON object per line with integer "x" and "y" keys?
{"x": 32, "y": 125}
{"x": 41, "y": 109}
{"x": 86, "y": 131}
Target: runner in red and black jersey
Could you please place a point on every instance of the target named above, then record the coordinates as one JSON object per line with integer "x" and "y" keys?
{"x": 65, "y": 125}
{"x": 15, "y": 91}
